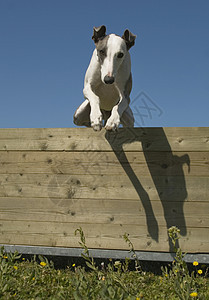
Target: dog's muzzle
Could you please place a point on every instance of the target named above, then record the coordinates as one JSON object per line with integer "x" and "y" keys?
{"x": 109, "y": 79}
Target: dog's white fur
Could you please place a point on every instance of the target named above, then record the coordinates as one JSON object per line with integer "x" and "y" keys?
{"x": 107, "y": 83}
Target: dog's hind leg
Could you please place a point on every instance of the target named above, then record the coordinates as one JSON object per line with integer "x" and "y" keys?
{"x": 82, "y": 115}
{"x": 127, "y": 118}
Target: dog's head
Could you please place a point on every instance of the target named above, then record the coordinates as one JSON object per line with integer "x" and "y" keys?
{"x": 111, "y": 51}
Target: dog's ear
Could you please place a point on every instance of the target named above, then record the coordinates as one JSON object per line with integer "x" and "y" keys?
{"x": 129, "y": 38}
{"x": 99, "y": 33}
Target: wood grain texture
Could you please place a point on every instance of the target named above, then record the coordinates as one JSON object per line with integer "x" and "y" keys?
{"x": 140, "y": 181}
{"x": 83, "y": 139}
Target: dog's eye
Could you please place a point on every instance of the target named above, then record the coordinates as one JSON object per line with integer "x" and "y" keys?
{"x": 102, "y": 52}
{"x": 120, "y": 54}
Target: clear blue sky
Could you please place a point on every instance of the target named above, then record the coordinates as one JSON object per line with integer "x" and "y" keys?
{"x": 46, "y": 46}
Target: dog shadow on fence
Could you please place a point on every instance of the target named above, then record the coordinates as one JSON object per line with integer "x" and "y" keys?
{"x": 166, "y": 170}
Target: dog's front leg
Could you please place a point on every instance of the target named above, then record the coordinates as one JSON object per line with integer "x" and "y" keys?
{"x": 114, "y": 120}
{"x": 95, "y": 114}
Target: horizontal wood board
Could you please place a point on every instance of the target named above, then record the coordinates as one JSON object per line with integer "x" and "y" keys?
{"x": 139, "y": 181}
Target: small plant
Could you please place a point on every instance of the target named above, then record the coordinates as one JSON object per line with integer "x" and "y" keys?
{"x": 110, "y": 285}
{"x": 186, "y": 285}
{"x": 89, "y": 260}
{"x": 132, "y": 250}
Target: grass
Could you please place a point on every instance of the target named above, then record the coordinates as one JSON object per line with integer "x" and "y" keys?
{"x": 38, "y": 279}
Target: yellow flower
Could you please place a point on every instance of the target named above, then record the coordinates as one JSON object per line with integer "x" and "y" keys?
{"x": 199, "y": 272}
{"x": 33, "y": 278}
{"x": 194, "y": 294}
{"x": 15, "y": 267}
{"x": 5, "y": 257}
{"x": 73, "y": 265}
{"x": 103, "y": 277}
{"x": 23, "y": 258}
{"x": 42, "y": 263}
{"x": 195, "y": 263}
{"x": 137, "y": 298}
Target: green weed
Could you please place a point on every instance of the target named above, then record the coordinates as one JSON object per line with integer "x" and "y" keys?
{"x": 186, "y": 285}
{"x": 38, "y": 279}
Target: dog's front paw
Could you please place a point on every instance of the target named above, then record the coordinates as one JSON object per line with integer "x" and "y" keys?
{"x": 97, "y": 127}
{"x": 112, "y": 124}
{"x": 96, "y": 123}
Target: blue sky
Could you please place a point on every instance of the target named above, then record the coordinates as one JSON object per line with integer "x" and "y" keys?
{"x": 46, "y": 46}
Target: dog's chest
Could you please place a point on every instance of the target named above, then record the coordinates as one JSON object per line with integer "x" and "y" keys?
{"x": 108, "y": 95}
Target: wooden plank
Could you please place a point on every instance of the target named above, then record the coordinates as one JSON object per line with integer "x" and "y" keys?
{"x": 105, "y": 212}
{"x": 97, "y": 163}
{"x": 84, "y": 139}
{"x": 99, "y": 236}
{"x": 58, "y": 186}
{"x": 55, "y": 133}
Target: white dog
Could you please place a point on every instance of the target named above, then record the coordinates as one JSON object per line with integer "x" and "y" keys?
{"x": 108, "y": 83}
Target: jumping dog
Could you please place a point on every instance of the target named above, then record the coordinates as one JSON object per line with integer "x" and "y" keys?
{"x": 108, "y": 83}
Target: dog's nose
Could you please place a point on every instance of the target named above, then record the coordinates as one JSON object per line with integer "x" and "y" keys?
{"x": 109, "y": 79}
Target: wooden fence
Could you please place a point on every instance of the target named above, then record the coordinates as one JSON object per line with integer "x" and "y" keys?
{"x": 139, "y": 181}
